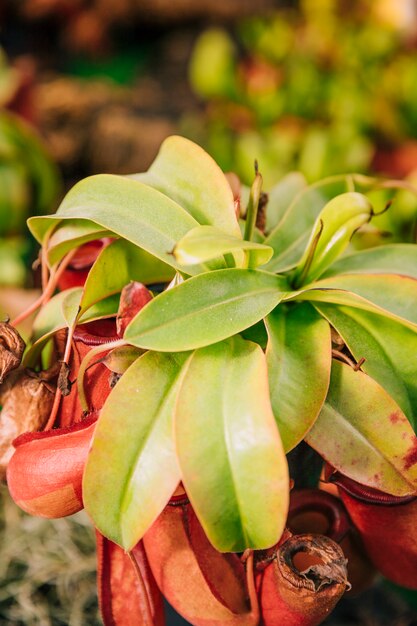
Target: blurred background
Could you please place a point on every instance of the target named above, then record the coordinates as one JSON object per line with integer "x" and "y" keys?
{"x": 322, "y": 87}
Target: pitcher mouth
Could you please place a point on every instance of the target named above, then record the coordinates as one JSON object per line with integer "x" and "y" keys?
{"x": 368, "y": 494}
{"x": 328, "y": 564}
{"x": 97, "y": 333}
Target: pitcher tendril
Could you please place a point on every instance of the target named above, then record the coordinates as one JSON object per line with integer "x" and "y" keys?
{"x": 48, "y": 292}
{"x": 252, "y": 210}
{"x": 84, "y": 366}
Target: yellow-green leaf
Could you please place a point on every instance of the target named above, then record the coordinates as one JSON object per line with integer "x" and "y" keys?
{"x": 232, "y": 460}
{"x": 299, "y": 360}
{"x": 363, "y": 433}
{"x": 132, "y": 468}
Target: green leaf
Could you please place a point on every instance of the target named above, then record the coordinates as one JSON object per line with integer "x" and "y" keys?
{"x": 230, "y": 453}
{"x": 204, "y": 243}
{"x": 117, "y": 265}
{"x": 363, "y": 433}
{"x": 127, "y": 208}
{"x": 389, "y": 350}
{"x": 59, "y": 313}
{"x": 205, "y": 309}
{"x": 132, "y": 468}
{"x": 391, "y": 295}
{"x": 290, "y": 236}
{"x": 398, "y": 258}
{"x": 299, "y": 360}
{"x": 281, "y": 196}
{"x": 335, "y": 225}
{"x": 186, "y": 173}
{"x": 71, "y": 234}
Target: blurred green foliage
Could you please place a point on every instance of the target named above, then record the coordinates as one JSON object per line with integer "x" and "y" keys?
{"x": 29, "y": 183}
{"x": 320, "y": 89}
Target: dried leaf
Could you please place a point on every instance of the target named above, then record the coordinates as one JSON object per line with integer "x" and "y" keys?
{"x": 27, "y": 402}
{"x": 64, "y": 384}
{"x": 11, "y": 349}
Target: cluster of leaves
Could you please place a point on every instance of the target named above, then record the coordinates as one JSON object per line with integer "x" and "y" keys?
{"x": 235, "y": 365}
{"x": 314, "y": 89}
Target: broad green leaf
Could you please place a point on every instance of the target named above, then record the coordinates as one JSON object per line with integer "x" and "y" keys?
{"x": 70, "y": 234}
{"x": 132, "y": 468}
{"x": 204, "y": 243}
{"x": 290, "y": 236}
{"x": 363, "y": 433}
{"x": 127, "y": 208}
{"x": 186, "y": 173}
{"x": 59, "y": 313}
{"x": 299, "y": 360}
{"x": 117, "y": 265}
{"x": 391, "y": 295}
{"x": 335, "y": 225}
{"x": 231, "y": 457}
{"x": 389, "y": 350}
{"x": 281, "y": 196}
{"x": 205, "y": 309}
{"x": 398, "y": 258}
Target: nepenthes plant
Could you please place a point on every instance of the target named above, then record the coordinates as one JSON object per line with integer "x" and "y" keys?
{"x": 196, "y": 343}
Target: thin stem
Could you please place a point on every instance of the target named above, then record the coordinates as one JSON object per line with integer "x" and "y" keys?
{"x": 253, "y": 205}
{"x": 253, "y": 596}
{"x": 57, "y": 400}
{"x": 146, "y": 606}
{"x": 341, "y": 356}
{"x": 48, "y": 291}
{"x": 84, "y": 366}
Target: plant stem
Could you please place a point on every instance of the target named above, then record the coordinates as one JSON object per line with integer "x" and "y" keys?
{"x": 84, "y": 366}
{"x": 253, "y": 205}
{"x": 58, "y": 394}
{"x": 146, "y": 606}
{"x": 48, "y": 291}
{"x": 253, "y": 596}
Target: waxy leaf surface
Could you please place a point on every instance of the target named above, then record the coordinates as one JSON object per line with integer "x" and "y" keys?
{"x": 391, "y": 295}
{"x": 290, "y": 236}
{"x": 204, "y": 243}
{"x": 363, "y": 433}
{"x": 132, "y": 469}
{"x": 117, "y": 265}
{"x": 70, "y": 234}
{"x": 335, "y": 225}
{"x": 398, "y": 258}
{"x": 186, "y": 173}
{"x": 299, "y": 360}
{"x": 388, "y": 347}
{"x": 281, "y": 196}
{"x": 231, "y": 457}
{"x": 205, "y": 309}
{"x": 127, "y": 208}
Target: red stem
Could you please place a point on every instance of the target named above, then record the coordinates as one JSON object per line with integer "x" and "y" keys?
{"x": 148, "y": 619}
{"x": 48, "y": 292}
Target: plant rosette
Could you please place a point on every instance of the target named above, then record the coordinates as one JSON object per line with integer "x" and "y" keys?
{"x": 234, "y": 339}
